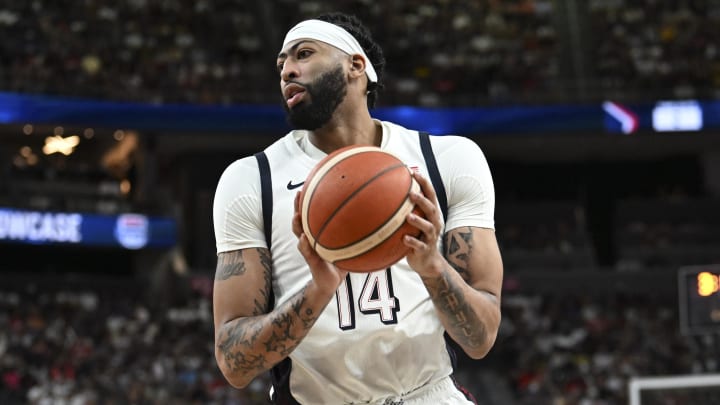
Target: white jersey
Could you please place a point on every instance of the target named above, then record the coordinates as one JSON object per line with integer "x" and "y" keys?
{"x": 380, "y": 337}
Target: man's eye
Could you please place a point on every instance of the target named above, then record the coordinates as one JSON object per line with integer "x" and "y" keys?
{"x": 280, "y": 67}
{"x": 303, "y": 54}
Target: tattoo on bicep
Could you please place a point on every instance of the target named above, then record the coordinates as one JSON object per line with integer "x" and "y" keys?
{"x": 230, "y": 264}
{"x": 263, "y": 306}
{"x": 265, "y": 258}
{"x": 465, "y": 326}
{"x": 458, "y": 248}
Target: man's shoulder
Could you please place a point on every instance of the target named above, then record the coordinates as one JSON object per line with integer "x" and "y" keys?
{"x": 282, "y": 149}
{"x": 449, "y": 141}
{"x": 242, "y": 168}
{"x": 435, "y": 137}
{"x": 397, "y": 128}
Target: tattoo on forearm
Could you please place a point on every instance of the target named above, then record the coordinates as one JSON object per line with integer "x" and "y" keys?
{"x": 247, "y": 344}
{"x": 243, "y": 333}
{"x": 305, "y": 315}
{"x": 281, "y": 338}
{"x": 465, "y": 326}
{"x": 230, "y": 264}
{"x": 458, "y": 246}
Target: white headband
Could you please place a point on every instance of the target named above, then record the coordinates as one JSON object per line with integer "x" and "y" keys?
{"x": 333, "y": 35}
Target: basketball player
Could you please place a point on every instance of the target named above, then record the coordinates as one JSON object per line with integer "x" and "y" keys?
{"x": 332, "y": 337}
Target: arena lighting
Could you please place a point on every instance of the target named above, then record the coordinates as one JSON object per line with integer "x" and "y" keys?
{"x": 25, "y": 157}
{"x": 669, "y": 116}
{"x": 699, "y": 299}
{"x": 58, "y": 144}
{"x": 707, "y": 284}
{"x": 627, "y": 119}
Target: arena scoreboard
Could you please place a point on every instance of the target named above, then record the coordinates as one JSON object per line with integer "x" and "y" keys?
{"x": 699, "y": 299}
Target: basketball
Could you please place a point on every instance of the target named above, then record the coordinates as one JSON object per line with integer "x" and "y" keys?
{"x": 354, "y": 205}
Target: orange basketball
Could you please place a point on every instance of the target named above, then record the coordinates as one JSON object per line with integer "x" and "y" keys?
{"x": 354, "y": 205}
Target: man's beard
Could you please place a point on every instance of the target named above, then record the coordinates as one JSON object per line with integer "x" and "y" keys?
{"x": 326, "y": 93}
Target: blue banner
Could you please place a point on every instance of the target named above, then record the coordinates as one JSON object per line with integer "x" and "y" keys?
{"x": 270, "y": 119}
{"x": 576, "y": 119}
{"x": 127, "y": 231}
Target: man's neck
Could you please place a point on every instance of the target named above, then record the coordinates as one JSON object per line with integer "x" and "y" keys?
{"x": 347, "y": 128}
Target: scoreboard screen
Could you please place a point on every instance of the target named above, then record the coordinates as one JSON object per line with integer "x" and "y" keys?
{"x": 699, "y": 299}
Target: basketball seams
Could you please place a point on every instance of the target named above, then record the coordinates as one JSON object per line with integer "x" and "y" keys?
{"x": 376, "y": 238}
{"x": 317, "y": 177}
{"x": 353, "y": 194}
{"x": 368, "y": 245}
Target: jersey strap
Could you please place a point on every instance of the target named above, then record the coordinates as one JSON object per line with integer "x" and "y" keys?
{"x": 280, "y": 374}
{"x": 267, "y": 195}
{"x": 439, "y": 187}
{"x": 434, "y": 172}
{"x": 267, "y": 204}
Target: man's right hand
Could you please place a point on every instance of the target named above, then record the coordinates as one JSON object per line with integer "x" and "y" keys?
{"x": 326, "y": 276}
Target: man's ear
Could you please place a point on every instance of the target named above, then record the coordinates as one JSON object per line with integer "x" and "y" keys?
{"x": 357, "y": 65}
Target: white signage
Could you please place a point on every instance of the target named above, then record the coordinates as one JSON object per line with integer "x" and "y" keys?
{"x": 40, "y": 227}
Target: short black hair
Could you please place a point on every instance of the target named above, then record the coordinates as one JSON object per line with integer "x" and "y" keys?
{"x": 357, "y": 29}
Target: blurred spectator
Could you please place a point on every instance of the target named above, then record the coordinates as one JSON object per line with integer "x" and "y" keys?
{"x": 583, "y": 349}
{"x": 658, "y": 49}
{"x": 108, "y": 344}
{"x": 544, "y": 235}
{"x": 667, "y": 232}
{"x": 222, "y": 51}
{"x": 104, "y": 346}
{"x": 439, "y": 52}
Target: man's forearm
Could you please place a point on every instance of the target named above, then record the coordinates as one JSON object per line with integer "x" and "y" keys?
{"x": 469, "y": 315}
{"x": 466, "y": 314}
{"x": 246, "y": 347}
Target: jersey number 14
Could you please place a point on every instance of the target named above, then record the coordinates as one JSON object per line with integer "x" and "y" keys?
{"x": 377, "y": 297}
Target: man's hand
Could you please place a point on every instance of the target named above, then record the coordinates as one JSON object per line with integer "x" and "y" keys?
{"x": 326, "y": 276}
{"x": 424, "y": 256}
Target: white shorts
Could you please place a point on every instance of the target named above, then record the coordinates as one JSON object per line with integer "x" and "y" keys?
{"x": 443, "y": 392}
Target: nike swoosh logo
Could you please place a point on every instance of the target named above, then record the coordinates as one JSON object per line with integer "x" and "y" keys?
{"x": 291, "y": 186}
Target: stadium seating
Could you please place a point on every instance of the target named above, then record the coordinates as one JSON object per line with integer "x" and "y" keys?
{"x": 113, "y": 340}
{"x": 486, "y": 51}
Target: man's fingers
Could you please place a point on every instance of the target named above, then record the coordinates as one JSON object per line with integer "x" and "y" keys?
{"x": 426, "y": 186}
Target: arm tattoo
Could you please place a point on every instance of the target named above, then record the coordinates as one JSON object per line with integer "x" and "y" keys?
{"x": 254, "y": 344}
{"x": 230, "y": 264}
{"x": 458, "y": 245}
{"x": 281, "y": 338}
{"x": 305, "y": 316}
{"x": 465, "y": 326}
{"x": 265, "y": 258}
{"x": 243, "y": 333}
{"x": 448, "y": 296}
{"x": 264, "y": 306}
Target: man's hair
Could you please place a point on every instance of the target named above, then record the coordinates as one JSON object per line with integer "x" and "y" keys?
{"x": 357, "y": 29}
